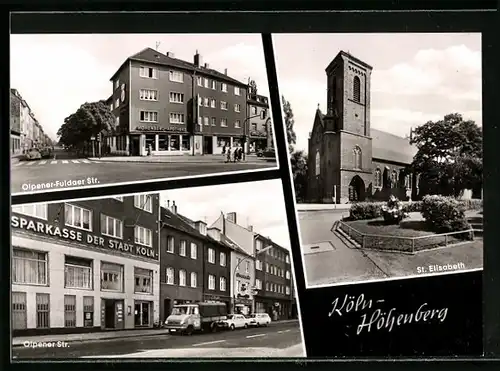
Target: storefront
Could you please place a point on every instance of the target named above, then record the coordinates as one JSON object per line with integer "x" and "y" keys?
{"x": 67, "y": 281}
{"x": 243, "y": 306}
{"x": 277, "y": 309}
{"x": 214, "y": 145}
{"x": 171, "y": 295}
{"x": 257, "y": 141}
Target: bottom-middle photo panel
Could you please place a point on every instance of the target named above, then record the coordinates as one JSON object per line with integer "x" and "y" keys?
{"x": 202, "y": 272}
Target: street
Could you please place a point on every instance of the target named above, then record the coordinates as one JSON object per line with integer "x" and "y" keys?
{"x": 333, "y": 262}
{"x": 28, "y": 174}
{"x": 277, "y": 340}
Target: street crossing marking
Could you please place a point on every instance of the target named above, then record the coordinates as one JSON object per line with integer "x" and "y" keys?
{"x": 55, "y": 162}
{"x": 86, "y": 161}
{"x": 254, "y": 336}
{"x": 75, "y": 161}
{"x": 29, "y": 163}
{"x": 43, "y": 162}
{"x": 65, "y": 162}
{"x": 282, "y": 331}
{"x": 208, "y": 343}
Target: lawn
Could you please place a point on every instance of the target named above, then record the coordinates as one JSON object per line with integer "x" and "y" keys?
{"x": 397, "y": 237}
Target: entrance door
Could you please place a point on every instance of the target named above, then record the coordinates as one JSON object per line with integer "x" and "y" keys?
{"x": 134, "y": 145}
{"x": 109, "y": 313}
{"x": 208, "y": 145}
{"x": 166, "y": 308}
{"x": 142, "y": 314}
{"x": 356, "y": 189}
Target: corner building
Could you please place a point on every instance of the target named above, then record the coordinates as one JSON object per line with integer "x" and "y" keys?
{"x": 260, "y": 134}
{"x": 167, "y": 106}
{"x": 85, "y": 266}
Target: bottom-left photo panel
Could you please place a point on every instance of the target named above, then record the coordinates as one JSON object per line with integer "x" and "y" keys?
{"x": 202, "y": 272}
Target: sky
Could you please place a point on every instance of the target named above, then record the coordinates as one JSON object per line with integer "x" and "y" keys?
{"x": 415, "y": 77}
{"x": 260, "y": 204}
{"x": 56, "y": 74}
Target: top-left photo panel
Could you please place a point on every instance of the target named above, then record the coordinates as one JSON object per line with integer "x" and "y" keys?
{"x": 93, "y": 110}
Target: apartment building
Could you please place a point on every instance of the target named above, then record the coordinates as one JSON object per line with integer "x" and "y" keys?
{"x": 168, "y": 106}
{"x": 85, "y": 265}
{"x": 260, "y": 134}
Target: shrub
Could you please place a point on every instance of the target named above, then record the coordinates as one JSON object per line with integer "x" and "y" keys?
{"x": 365, "y": 210}
{"x": 444, "y": 214}
{"x": 414, "y": 206}
{"x": 473, "y": 204}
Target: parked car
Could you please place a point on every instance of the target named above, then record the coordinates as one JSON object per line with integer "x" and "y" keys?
{"x": 259, "y": 319}
{"x": 46, "y": 152}
{"x": 235, "y": 321}
{"x": 269, "y": 153}
{"x": 32, "y": 154}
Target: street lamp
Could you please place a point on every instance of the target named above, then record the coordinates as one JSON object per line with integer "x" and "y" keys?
{"x": 236, "y": 268}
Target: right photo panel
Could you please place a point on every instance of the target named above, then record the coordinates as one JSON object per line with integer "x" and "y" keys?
{"x": 386, "y": 153}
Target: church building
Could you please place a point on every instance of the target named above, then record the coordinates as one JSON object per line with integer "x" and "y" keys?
{"x": 348, "y": 160}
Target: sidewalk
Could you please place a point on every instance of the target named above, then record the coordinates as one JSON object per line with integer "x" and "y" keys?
{"x": 322, "y": 207}
{"x": 201, "y": 159}
{"x": 92, "y": 336}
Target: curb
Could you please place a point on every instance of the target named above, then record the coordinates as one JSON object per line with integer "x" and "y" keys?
{"x": 108, "y": 160}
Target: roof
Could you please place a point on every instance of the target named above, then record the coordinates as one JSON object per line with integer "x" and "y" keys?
{"x": 152, "y": 56}
{"x": 270, "y": 241}
{"x": 233, "y": 245}
{"x": 349, "y": 56}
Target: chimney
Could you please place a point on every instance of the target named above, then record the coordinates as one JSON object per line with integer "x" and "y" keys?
{"x": 173, "y": 208}
{"x": 225, "y": 71}
{"x": 207, "y": 65}
{"x": 170, "y": 55}
{"x": 250, "y": 228}
{"x": 197, "y": 59}
{"x": 231, "y": 217}
{"x": 201, "y": 227}
{"x": 214, "y": 233}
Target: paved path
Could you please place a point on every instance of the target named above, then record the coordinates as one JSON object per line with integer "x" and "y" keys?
{"x": 279, "y": 339}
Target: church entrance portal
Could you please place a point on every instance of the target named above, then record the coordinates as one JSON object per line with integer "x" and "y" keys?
{"x": 356, "y": 189}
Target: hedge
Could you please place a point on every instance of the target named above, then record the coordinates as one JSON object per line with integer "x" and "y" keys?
{"x": 444, "y": 214}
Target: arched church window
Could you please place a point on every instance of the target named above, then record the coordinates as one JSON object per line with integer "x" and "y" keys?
{"x": 394, "y": 178}
{"x": 378, "y": 178}
{"x": 318, "y": 164}
{"x": 357, "y": 157}
{"x": 356, "y": 89}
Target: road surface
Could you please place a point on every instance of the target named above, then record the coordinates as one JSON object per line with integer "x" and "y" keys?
{"x": 277, "y": 340}
{"x": 332, "y": 262}
{"x": 27, "y": 176}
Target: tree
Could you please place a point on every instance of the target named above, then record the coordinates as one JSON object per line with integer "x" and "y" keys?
{"x": 89, "y": 120}
{"x": 449, "y": 156}
{"x": 298, "y": 161}
{"x": 289, "y": 122}
{"x": 252, "y": 87}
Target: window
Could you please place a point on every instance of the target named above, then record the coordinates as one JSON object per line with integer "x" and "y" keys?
{"x": 237, "y": 124}
{"x": 213, "y": 121}
{"x": 117, "y": 84}
{"x": 77, "y": 273}
{"x": 206, "y": 102}
{"x": 176, "y": 76}
{"x": 356, "y": 89}
{"x": 111, "y": 277}
{"x": 267, "y": 286}
{"x": 144, "y": 202}
{"x": 143, "y": 236}
{"x": 206, "y": 82}
{"x": 143, "y": 280}
{"x": 78, "y": 217}
{"x": 287, "y": 259}
{"x": 223, "y": 105}
{"x": 194, "y": 279}
{"x": 206, "y": 121}
{"x": 258, "y": 265}
{"x": 29, "y": 267}
{"x": 69, "y": 311}
{"x": 182, "y": 277}
{"x": 36, "y": 210}
{"x": 237, "y": 107}
{"x": 258, "y": 284}
{"x": 88, "y": 307}
{"x": 238, "y": 263}
{"x": 254, "y": 110}
{"x": 170, "y": 276}
{"x": 222, "y": 259}
{"x": 176, "y": 97}
{"x": 211, "y": 282}
{"x": 149, "y": 116}
{"x": 199, "y": 80}
{"x": 212, "y": 103}
{"x": 42, "y": 310}
{"x": 19, "y": 315}
{"x": 357, "y": 157}
{"x": 378, "y": 178}
{"x": 258, "y": 245}
{"x": 267, "y": 268}
{"x": 223, "y": 87}
{"x": 222, "y": 284}
{"x": 318, "y": 163}
{"x": 394, "y": 179}
{"x": 176, "y": 118}
{"x": 148, "y": 72}
{"x": 214, "y": 85}
{"x": 287, "y": 275}
{"x": 237, "y": 90}
{"x": 288, "y": 290}
{"x": 194, "y": 251}
{"x": 148, "y": 94}
{"x": 182, "y": 248}
{"x": 247, "y": 267}
{"x": 111, "y": 227}
{"x": 223, "y": 122}
{"x": 211, "y": 255}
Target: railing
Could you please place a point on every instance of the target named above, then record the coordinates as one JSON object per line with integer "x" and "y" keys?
{"x": 405, "y": 244}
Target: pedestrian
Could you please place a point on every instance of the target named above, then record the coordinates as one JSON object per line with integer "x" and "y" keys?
{"x": 233, "y": 157}
{"x": 240, "y": 153}
{"x": 228, "y": 154}
{"x": 224, "y": 149}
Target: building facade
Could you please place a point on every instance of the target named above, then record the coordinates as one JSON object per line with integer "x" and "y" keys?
{"x": 348, "y": 160}
{"x": 260, "y": 134}
{"x": 86, "y": 265}
{"x": 16, "y": 139}
{"x": 167, "y": 106}
{"x": 273, "y": 279}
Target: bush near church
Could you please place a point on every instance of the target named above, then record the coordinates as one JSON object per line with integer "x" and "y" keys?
{"x": 444, "y": 214}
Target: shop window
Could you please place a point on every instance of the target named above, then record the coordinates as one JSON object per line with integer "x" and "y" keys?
{"x": 77, "y": 273}
{"x": 88, "y": 311}
{"x": 78, "y": 217}
{"x": 143, "y": 279}
{"x": 42, "y": 310}
{"x": 69, "y": 311}
{"x": 151, "y": 142}
{"x": 111, "y": 277}
{"x": 29, "y": 267}
{"x": 186, "y": 143}
{"x": 175, "y": 144}
{"x": 19, "y": 314}
{"x": 163, "y": 142}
